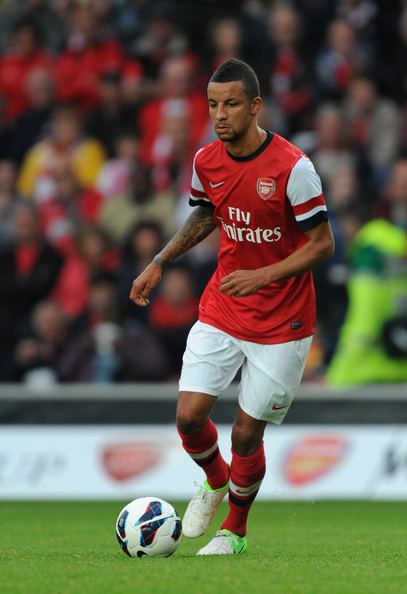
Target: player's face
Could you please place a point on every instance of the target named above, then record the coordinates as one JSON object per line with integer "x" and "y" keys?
{"x": 231, "y": 110}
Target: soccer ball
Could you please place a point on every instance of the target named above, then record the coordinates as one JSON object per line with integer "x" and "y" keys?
{"x": 148, "y": 526}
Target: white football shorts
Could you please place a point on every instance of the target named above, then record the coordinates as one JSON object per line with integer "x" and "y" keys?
{"x": 271, "y": 373}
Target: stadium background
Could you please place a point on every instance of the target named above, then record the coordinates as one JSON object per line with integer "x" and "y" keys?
{"x": 102, "y": 107}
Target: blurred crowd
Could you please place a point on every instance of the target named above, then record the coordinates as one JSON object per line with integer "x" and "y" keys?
{"x": 102, "y": 108}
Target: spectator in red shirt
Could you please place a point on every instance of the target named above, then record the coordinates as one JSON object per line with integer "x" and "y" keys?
{"x": 288, "y": 78}
{"x": 86, "y": 56}
{"x": 171, "y": 154}
{"x": 173, "y": 312}
{"x": 16, "y": 66}
{"x": 94, "y": 255}
{"x": 178, "y": 99}
{"x": 71, "y": 206}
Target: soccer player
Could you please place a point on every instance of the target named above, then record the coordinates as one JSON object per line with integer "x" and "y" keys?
{"x": 257, "y": 312}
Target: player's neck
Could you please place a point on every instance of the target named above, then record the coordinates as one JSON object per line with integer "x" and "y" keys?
{"x": 248, "y": 144}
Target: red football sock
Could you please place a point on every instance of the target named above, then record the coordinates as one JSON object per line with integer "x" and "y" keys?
{"x": 203, "y": 449}
{"x": 246, "y": 475}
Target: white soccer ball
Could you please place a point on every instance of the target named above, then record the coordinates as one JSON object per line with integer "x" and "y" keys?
{"x": 148, "y": 526}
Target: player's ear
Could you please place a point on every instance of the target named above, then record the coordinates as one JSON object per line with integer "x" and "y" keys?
{"x": 257, "y": 102}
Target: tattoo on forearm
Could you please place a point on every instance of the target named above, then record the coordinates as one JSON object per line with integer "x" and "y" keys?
{"x": 199, "y": 225}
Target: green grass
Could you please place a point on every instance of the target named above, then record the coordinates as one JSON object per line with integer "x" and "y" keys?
{"x": 294, "y": 548}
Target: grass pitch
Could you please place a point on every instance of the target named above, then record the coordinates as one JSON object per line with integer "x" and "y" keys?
{"x": 294, "y": 548}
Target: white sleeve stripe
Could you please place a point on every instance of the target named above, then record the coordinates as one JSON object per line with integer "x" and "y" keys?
{"x": 199, "y": 199}
{"x": 300, "y": 200}
{"x": 310, "y": 213}
{"x": 304, "y": 182}
{"x": 196, "y": 182}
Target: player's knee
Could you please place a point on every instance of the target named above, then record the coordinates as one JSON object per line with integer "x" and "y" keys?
{"x": 189, "y": 422}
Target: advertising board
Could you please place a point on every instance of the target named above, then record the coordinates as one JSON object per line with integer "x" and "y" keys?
{"x": 129, "y": 461}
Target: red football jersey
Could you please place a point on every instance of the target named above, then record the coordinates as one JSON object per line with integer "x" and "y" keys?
{"x": 262, "y": 204}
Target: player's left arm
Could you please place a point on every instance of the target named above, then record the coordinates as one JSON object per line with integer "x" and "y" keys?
{"x": 318, "y": 248}
{"x": 304, "y": 192}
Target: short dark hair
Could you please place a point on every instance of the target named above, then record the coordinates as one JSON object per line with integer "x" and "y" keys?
{"x": 235, "y": 69}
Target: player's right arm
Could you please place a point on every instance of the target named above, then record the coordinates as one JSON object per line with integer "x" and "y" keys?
{"x": 196, "y": 228}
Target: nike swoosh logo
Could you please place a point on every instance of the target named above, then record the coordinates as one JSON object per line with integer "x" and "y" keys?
{"x": 274, "y": 407}
{"x": 216, "y": 185}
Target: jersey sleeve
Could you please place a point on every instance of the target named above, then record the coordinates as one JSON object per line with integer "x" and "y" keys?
{"x": 304, "y": 191}
{"x": 197, "y": 196}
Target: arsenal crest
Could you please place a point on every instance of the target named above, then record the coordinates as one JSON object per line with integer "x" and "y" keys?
{"x": 266, "y": 186}
{"x": 312, "y": 457}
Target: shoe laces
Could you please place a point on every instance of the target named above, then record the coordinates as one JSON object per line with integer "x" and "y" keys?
{"x": 203, "y": 496}
{"x": 200, "y": 495}
{"x": 223, "y": 542}
{"x": 228, "y": 536}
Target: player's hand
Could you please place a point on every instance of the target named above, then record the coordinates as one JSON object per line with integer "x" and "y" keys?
{"x": 241, "y": 283}
{"x": 144, "y": 283}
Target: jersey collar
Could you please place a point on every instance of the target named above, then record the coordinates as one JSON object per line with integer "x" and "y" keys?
{"x": 257, "y": 152}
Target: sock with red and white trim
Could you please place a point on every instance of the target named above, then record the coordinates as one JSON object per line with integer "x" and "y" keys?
{"x": 246, "y": 475}
{"x": 203, "y": 449}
